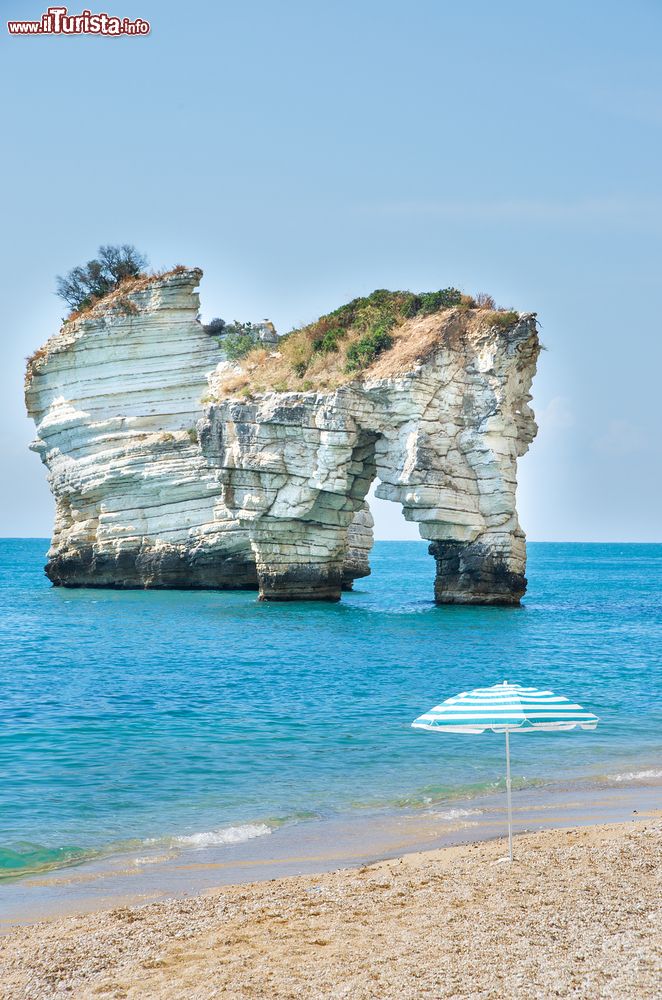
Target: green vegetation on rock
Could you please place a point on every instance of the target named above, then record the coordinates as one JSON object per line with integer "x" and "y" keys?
{"x": 372, "y": 317}
{"x": 238, "y": 339}
{"x": 363, "y": 352}
{"x": 504, "y": 319}
{"x": 339, "y": 346}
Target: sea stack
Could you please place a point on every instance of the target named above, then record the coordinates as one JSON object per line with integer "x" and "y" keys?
{"x": 172, "y": 466}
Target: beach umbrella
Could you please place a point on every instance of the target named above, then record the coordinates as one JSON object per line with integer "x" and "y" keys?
{"x": 506, "y": 708}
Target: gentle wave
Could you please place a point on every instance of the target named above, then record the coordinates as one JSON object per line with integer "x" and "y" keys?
{"x": 651, "y": 773}
{"x": 30, "y": 859}
{"x": 436, "y": 794}
{"x": 452, "y": 814}
{"x": 217, "y": 838}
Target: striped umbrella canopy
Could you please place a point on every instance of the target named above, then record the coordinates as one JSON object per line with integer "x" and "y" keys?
{"x": 506, "y": 708}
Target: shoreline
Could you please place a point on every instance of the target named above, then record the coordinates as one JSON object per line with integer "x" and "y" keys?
{"x": 315, "y": 846}
{"x": 574, "y": 915}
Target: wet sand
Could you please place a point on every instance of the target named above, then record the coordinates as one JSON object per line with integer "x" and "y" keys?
{"x": 578, "y": 914}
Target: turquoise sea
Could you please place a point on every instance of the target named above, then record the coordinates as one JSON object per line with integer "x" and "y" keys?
{"x": 190, "y": 718}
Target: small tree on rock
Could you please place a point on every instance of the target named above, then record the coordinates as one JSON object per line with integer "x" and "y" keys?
{"x": 84, "y": 284}
{"x": 215, "y": 326}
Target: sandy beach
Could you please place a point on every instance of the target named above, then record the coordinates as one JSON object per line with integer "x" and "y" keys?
{"x": 578, "y": 914}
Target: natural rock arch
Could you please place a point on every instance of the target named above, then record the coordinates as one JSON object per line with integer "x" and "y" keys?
{"x": 160, "y": 483}
{"x": 442, "y": 439}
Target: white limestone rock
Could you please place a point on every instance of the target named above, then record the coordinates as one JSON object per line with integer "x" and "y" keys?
{"x": 115, "y": 396}
{"x": 442, "y": 440}
{"x": 157, "y": 486}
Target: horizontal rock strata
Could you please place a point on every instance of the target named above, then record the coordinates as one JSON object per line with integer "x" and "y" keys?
{"x": 116, "y": 396}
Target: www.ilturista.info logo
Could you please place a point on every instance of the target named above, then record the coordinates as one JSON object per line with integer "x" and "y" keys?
{"x": 57, "y": 21}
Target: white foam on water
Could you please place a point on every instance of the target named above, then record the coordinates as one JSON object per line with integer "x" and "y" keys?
{"x": 457, "y": 813}
{"x": 636, "y": 775}
{"x": 226, "y": 835}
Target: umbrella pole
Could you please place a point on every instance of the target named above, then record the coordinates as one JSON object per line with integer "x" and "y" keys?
{"x": 510, "y": 804}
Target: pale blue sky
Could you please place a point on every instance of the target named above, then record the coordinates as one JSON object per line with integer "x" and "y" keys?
{"x": 305, "y": 153}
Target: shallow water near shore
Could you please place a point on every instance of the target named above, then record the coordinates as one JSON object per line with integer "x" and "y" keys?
{"x": 179, "y": 722}
{"x": 170, "y": 870}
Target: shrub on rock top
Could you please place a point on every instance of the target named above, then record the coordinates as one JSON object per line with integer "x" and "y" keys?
{"x": 238, "y": 339}
{"x": 215, "y": 326}
{"x": 83, "y": 285}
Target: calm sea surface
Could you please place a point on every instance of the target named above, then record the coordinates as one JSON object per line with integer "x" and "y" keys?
{"x": 189, "y": 718}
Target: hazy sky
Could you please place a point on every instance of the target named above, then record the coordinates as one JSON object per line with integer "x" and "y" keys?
{"x": 303, "y": 153}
